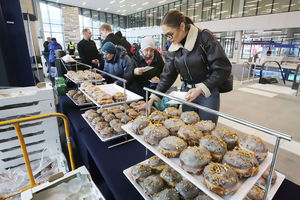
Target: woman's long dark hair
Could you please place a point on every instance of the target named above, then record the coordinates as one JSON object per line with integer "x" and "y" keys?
{"x": 173, "y": 18}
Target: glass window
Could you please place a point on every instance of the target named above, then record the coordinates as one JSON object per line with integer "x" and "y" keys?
{"x": 46, "y": 27}
{"x": 198, "y": 11}
{"x": 183, "y": 8}
{"x": 109, "y": 18}
{"x": 250, "y": 7}
{"x": 280, "y": 6}
{"x": 166, "y": 9}
{"x": 44, "y": 11}
{"x": 237, "y": 10}
{"x": 143, "y": 19}
{"x": 56, "y": 28}
{"x": 216, "y": 9}
{"x": 155, "y": 10}
{"x": 226, "y": 9}
{"x": 54, "y": 13}
{"x": 206, "y": 10}
{"x": 265, "y": 7}
{"x": 102, "y": 18}
{"x": 116, "y": 20}
{"x": 151, "y": 16}
{"x": 160, "y": 15}
{"x": 191, "y": 9}
{"x": 95, "y": 19}
{"x": 171, "y": 6}
{"x": 295, "y": 5}
{"x": 177, "y": 5}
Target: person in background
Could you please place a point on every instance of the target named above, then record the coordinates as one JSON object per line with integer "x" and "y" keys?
{"x": 136, "y": 74}
{"x": 53, "y": 46}
{"x": 71, "y": 48}
{"x": 124, "y": 43}
{"x": 269, "y": 52}
{"x": 107, "y": 35}
{"x": 199, "y": 59}
{"x": 46, "y": 53}
{"x": 116, "y": 61}
{"x": 88, "y": 51}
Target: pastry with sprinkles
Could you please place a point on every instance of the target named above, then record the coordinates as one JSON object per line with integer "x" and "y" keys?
{"x": 172, "y": 112}
{"x": 227, "y": 136}
{"x": 153, "y": 184}
{"x": 171, "y": 146}
{"x": 153, "y": 133}
{"x": 173, "y": 125}
{"x": 167, "y": 194}
{"x": 171, "y": 176}
{"x": 190, "y": 117}
{"x": 205, "y": 126}
{"x": 215, "y": 145}
{"x": 190, "y": 134}
{"x": 255, "y": 145}
{"x": 187, "y": 190}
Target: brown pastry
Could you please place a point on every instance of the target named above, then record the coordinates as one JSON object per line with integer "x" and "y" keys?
{"x": 71, "y": 93}
{"x": 153, "y": 184}
{"x": 215, "y": 145}
{"x": 205, "y": 126}
{"x": 106, "y": 112}
{"x": 261, "y": 181}
{"x": 132, "y": 113}
{"x": 77, "y": 95}
{"x": 172, "y": 112}
{"x": 173, "y": 125}
{"x": 104, "y": 102}
{"x": 156, "y": 164}
{"x": 118, "y": 128}
{"x": 243, "y": 162}
{"x": 266, "y": 174}
{"x": 109, "y": 117}
{"x": 167, "y": 194}
{"x": 190, "y": 117}
{"x": 80, "y": 100}
{"x": 256, "y": 193}
{"x": 153, "y": 133}
{"x": 194, "y": 159}
{"x": 122, "y": 107}
{"x": 227, "y": 136}
{"x": 158, "y": 117}
{"x": 220, "y": 178}
{"x": 96, "y": 120}
{"x": 101, "y": 125}
{"x": 139, "y": 124}
{"x": 202, "y": 196}
{"x": 114, "y": 122}
{"x": 140, "y": 172}
{"x": 187, "y": 190}
{"x": 91, "y": 116}
{"x": 171, "y": 146}
{"x": 101, "y": 110}
{"x": 106, "y": 132}
{"x": 190, "y": 134}
{"x": 256, "y": 145}
{"x": 125, "y": 120}
{"x": 119, "y": 96}
{"x": 116, "y": 110}
{"x": 170, "y": 176}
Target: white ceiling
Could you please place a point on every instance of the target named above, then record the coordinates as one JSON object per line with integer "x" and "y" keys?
{"x": 121, "y": 7}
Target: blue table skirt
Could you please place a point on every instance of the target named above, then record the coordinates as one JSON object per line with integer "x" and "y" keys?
{"x": 111, "y": 162}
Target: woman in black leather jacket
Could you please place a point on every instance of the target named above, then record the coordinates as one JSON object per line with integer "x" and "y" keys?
{"x": 199, "y": 59}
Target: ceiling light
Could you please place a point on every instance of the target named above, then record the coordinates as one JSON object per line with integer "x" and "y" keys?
{"x": 106, "y": 9}
{"x": 145, "y": 3}
{"x": 124, "y": 10}
{"x": 118, "y": 10}
{"x": 139, "y": 8}
{"x": 296, "y": 34}
{"x": 57, "y": 1}
{"x": 112, "y": 2}
{"x": 272, "y": 31}
{"x": 122, "y": 6}
{"x": 121, "y": 1}
{"x": 162, "y": 1}
{"x": 98, "y": 8}
{"x": 133, "y": 5}
{"x": 83, "y": 3}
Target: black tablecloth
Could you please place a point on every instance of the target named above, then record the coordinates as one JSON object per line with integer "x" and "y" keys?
{"x": 112, "y": 162}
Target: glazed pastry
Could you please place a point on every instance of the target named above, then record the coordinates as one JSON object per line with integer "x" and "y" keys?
{"x": 202, "y": 196}
{"x": 173, "y": 125}
{"x": 118, "y": 128}
{"x": 136, "y": 104}
{"x": 116, "y": 110}
{"x": 215, "y": 145}
{"x": 128, "y": 119}
{"x": 156, "y": 164}
{"x": 205, "y": 126}
{"x": 167, "y": 194}
{"x": 187, "y": 190}
{"x": 172, "y": 112}
{"x": 153, "y": 133}
{"x": 96, "y": 120}
{"x": 170, "y": 176}
{"x": 262, "y": 181}
{"x": 220, "y": 178}
{"x": 106, "y": 132}
{"x": 256, "y": 145}
{"x": 171, "y": 146}
{"x": 81, "y": 100}
{"x": 104, "y": 102}
{"x": 114, "y": 122}
{"x": 139, "y": 123}
{"x": 101, "y": 110}
{"x": 77, "y": 95}
{"x": 266, "y": 174}
{"x": 194, "y": 159}
{"x": 91, "y": 116}
{"x": 190, "y": 134}
{"x": 71, "y": 93}
{"x": 140, "y": 172}
{"x": 243, "y": 162}
{"x": 109, "y": 117}
{"x": 190, "y": 117}
{"x": 132, "y": 113}
{"x": 122, "y": 107}
{"x": 153, "y": 184}
{"x": 227, "y": 136}
{"x": 158, "y": 117}
{"x": 101, "y": 125}
{"x": 106, "y": 112}
{"x": 256, "y": 193}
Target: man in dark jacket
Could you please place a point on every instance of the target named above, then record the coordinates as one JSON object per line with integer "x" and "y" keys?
{"x": 107, "y": 35}
{"x": 124, "y": 43}
{"x": 138, "y": 75}
{"x": 88, "y": 51}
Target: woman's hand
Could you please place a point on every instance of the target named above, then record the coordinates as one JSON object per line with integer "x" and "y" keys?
{"x": 139, "y": 70}
{"x": 192, "y": 94}
{"x": 150, "y": 103}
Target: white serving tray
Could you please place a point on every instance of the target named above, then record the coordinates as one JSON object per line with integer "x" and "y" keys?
{"x": 90, "y": 80}
{"x": 111, "y": 89}
{"x": 102, "y": 138}
{"x": 275, "y": 187}
{"x": 84, "y": 104}
{"x": 244, "y": 184}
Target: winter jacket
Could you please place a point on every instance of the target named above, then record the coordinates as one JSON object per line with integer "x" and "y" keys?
{"x": 136, "y": 83}
{"x": 111, "y": 38}
{"x": 187, "y": 61}
{"x": 117, "y": 65}
{"x": 52, "y": 47}
{"x": 88, "y": 51}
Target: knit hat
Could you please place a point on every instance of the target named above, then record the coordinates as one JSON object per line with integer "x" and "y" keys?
{"x": 109, "y": 47}
{"x": 147, "y": 42}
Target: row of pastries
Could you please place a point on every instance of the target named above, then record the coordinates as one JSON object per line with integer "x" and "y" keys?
{"x": 81, "y": 75}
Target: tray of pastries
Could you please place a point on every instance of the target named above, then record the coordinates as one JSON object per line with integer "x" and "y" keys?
{"x": 217, "y": 161}
{"x": 108, "y": 95}
{"x": 78, "y": 98}
{"x": 107, "y": 122}
{"x": 84, "y": 75}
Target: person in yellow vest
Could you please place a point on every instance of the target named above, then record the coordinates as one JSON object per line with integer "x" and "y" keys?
{"x": 71, "y": 48}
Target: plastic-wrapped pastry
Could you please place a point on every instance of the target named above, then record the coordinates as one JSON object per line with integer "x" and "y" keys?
{"x": 136, "y": 104}
{"x": 187, "y": 190}
{"x": 128, "y": 119}
{"x": 190, "y": 117}
{"x": 91, "y": 116}
{"x": 71, "y": 93}
{"x": 101, "y": 110}
{"x": 256, "y": 145}
{"x": 262, "y": 181}
{"x": 96, "y": 120}
{"x": 215, "y": 145}
{"x": 104, "y": 97}
{"x": 77, "y": 95}
{"x": 116, "y": 110}
{"x": 85, "y": 84}
{"x": 109, "y": 117}
{"x": 140, "y": 172}
{"x": 81, "y": 100}
{"x": 156, "y": 164}
{"x": 119, "y": 96}
{"x": 106, "y": 112}
{"x": 101, "y": 125}
{"x": 220, "y": 178}
{"x": 139, "y": 123}
{"x": 158, "y": 117}
{"x": 173, "y": 112}
{"x": 170, "y": 176}
{"x": 106, "y": 132}
{"x": 118, "y": 128}
{"x": 194, "y": 159}
{"x": 227, "y": 136}
{"x": 88, "y": 100}
{"x": 153, "y": 184}
{"x": 266, "y": 174}
{"x": 104, "y": 102}
{"x": 173, "y": 125}
{"x": 122, "y": 107}
{"x": 167, "y": 194}
{"x": 171, "y": 146}
{"x": 202, "y": 196}
{"x": 255, "y": 194}
{"x": 153, "y": 133}
{"x": 86, "y": 113}
{"x": 243, "y": 162}
{"x": 190, "y": 134}
{"x": 205, "y": 126}
{"x": 114, "y": 122}
{"x": 132, "y": 113}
